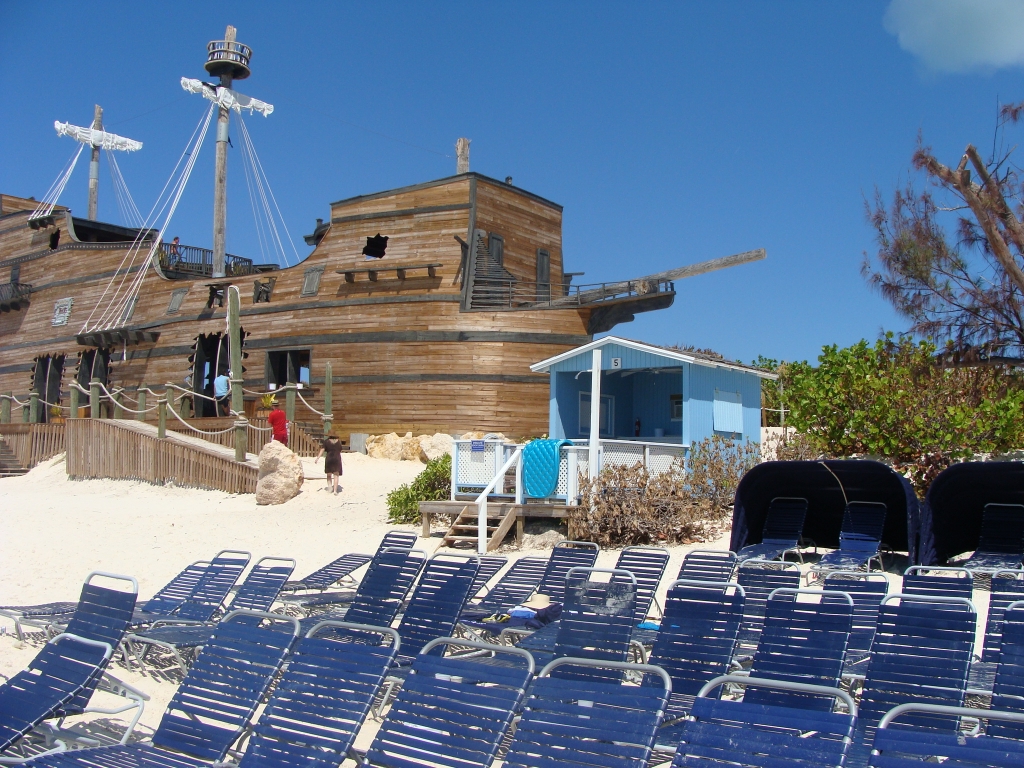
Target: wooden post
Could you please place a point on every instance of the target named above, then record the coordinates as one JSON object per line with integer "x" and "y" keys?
{"x": 220, "y": 177}
{"x": 118, "y": 410}
{"x": 94, "y": 399}
{"x": 235, "y": 347}
{"x": 141, "y": 407}
{"x": 5, "y": 408}
{"x": 73, "y": 391}
{"x": 289, "y": 405}
{"x": 161, "y": 413}
{"x": 33, "y": 407}
{"x": 328, "y": 400}
{"x": 169, "y": 395}
{"x": 94, "y": 164}
{"x": 25, "y": 414}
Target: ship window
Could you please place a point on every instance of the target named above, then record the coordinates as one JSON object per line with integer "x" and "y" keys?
{"x": 16, "y": 273}
{"x": 311, "y": 281}
{"x": 496, "y": 246}
{"x": 177, "y": 297}
{"x": 46, "y": 379}
{"x": 543, "y": 275}
{"x": 262, "y": 290}
{"x": 287, "y": 366}
{"x": 93, "y": 364}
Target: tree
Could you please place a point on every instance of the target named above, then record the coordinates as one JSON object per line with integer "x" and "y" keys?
{"x": 953, "y": 262}
{"x": 891, "y": 400}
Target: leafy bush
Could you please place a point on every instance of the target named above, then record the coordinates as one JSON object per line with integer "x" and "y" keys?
{"x": 432, "y": 484}
{"x": 629, "y": 505}
{"x": 892, "y": 400}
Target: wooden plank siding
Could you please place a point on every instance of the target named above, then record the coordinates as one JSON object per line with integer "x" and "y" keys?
{"x": 405, "y": 355}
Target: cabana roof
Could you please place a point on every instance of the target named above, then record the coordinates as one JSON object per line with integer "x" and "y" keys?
{"x": 828, "y": 486}
{"x": 952, "y": 511}
{"x": 674, "y": 355}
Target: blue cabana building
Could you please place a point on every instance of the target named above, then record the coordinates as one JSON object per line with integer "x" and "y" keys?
{"x": 651, "y": 394}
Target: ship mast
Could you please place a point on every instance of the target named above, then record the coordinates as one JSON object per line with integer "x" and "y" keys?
{"x": 94, "y": 164}
{"x": 230, "y": 61}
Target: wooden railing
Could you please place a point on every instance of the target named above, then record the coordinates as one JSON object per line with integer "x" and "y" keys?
{"x": 130, "y": 450}
{"x": 33, "y": 443}
{"x": 299, "y": 440}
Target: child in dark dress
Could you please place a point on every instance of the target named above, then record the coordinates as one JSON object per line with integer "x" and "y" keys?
{"x": 332, "y": 464}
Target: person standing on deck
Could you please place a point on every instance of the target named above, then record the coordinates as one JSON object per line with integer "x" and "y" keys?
{"x": 278, "y": 423}
{"x": 222, "y": 392}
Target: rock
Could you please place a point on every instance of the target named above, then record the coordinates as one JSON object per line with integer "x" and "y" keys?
{"x": 435, "y": 446}
{"x": 411, "y": 450}
{"x": 546, "y": 540}
{"x": 280, "y": 476}
{"x": 384, "y": 446}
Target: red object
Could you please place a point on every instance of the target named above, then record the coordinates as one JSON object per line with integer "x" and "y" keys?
{"x": 279, "y": 423}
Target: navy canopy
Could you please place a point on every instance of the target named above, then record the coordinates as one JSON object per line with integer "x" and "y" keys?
{"x": 827, "y": 486}
{"x": 951, "y": 515}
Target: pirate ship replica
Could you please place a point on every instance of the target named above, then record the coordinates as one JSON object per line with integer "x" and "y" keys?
{"x": 430, "y": 301}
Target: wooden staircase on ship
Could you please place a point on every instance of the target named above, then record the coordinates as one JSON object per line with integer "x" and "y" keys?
{"x": 9, "y": 464}
{"x": 463, "y": 531}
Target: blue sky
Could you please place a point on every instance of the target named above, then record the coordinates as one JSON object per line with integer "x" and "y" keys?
{"x": 671, "y": 133}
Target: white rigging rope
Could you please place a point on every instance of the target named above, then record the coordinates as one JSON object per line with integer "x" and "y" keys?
{"x": 129, "y": 210}
{"x": 263, "y": 182}
{"x": 45, "y": 207}
{"x": 261, "y": 238}
{"x": 115, "y": 309}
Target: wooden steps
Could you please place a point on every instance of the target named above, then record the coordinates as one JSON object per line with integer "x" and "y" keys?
{"x": 9, "y": 464}
{"x": 464, "y": 530}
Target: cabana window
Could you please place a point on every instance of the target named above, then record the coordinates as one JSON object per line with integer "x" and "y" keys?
{"x": 607, "y": 415}
{"x": 728, "y": 412}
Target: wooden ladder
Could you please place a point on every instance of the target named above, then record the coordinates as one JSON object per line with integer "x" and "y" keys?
{"x": 464, "y": 529}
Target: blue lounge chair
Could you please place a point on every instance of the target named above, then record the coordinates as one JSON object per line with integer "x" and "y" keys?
{"x": 596, "y": 622}
{"x": 489, "y": 567}
{"x": 907, "y": 747}
{"x": 708, "y": 565}
{"x": 859, "y": 539}
{"x": 738, "y": 733}
{"x": 1008, "y": 686}
{"x": 938, "y": 581}
{"x": 382, "y": 591}
{"x": 578, "y": 720}
{"x": 514, "y": 587}
{"x": 695, "y": 643}
{"x": 204, "y": 599}
{"x": 61, "y": 679}
{"x": 257, "y": 592}
{"x": 435, "y": 605}
{"x": 322, "y": 699}
{"x": 804, "y": 640}
{"x": 341, "y": 570}
{"x": 647, "y": 564}
{"x": 867, "y": 590}
{"x": 454, "y": 711}
{"x": 212, "y": 707}
{"x": 921, "y": 654}
{"x": 1006, "y": 588}
{"x": 783, "y": 527}
{"x": 759, "y": 578}
{"x": 565, "y": 555}
{"x": 1001, "y": 542}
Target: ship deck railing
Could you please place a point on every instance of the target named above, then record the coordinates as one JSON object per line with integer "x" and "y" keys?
{"x": 505, "y": 293}
{"x": 187, "y": 261}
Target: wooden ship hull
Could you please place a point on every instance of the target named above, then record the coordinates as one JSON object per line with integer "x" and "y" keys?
{"x": 436, "y": 336}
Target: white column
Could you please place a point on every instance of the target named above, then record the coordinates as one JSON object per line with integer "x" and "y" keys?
{"x": 595, "y": 412}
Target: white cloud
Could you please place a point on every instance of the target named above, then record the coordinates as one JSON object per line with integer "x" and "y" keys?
{"x": 959, "y": 35}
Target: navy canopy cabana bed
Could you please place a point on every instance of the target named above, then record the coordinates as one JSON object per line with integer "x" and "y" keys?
{"x": 823, "y": 484}
{"x": 951, "y": 514}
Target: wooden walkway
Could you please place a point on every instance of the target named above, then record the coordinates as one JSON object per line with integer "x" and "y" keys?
{"x": 122, "y": 449}
{"x": 33, "y": 443}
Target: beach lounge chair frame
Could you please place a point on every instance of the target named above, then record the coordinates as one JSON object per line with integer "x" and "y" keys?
{"x": 565, "y": 555}
{"x": 647, "y": 564}
{"x": 453, "y": 711}
{"x": 1001, "y": 540}
{"x": 938, "y": 581}
{"x": 708, "y": 565}
{"x": 720, "y": 733}
{"x": 866, "y": 589}
{"x": 583, "y": 720}
{"x": 899, "y": 747}
{"x": 340, "y": 571}
{"x": 860, "y": 540}
{"x": 782, "y": 531}
{"x": 759, "y": 578}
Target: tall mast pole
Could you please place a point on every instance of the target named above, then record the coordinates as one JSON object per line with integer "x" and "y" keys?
{"x": 94, "y": 165}
{"x": 220, "y": 180}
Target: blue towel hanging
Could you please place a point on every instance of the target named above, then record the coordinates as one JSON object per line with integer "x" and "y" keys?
{"x": 540, "y": 467}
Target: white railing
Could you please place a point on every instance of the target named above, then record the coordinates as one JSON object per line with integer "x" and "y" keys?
{"x": 481, "y": 500}
{"x": 482, "y": 468}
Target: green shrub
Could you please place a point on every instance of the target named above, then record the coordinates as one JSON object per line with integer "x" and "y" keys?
{"x": 432, "y": 484}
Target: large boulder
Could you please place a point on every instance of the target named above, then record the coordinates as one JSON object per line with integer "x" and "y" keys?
{"x": 385, "y": 446}
{"x": 435, "y": 446}
{"x": 280, "y": 476}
